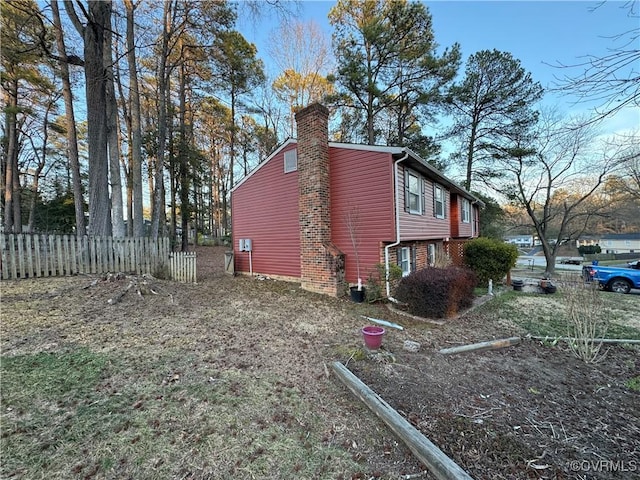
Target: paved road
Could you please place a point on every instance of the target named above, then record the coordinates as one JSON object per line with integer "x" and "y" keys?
{"x": 540, "y": 261}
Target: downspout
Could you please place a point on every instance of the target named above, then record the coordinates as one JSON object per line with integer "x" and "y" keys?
{"x": 397, "y": 219}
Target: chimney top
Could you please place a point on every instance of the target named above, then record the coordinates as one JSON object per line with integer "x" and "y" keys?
{"x": 313, "y": 108}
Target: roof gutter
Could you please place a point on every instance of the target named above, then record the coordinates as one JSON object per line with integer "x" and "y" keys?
{"x": 397, "y": 218}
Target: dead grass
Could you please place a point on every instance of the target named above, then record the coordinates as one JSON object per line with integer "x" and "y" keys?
{"x": 224, "y": 379}
{"x": 203, "y": 383}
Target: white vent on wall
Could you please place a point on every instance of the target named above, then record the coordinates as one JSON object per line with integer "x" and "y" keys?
{"x": 290, "y": 161}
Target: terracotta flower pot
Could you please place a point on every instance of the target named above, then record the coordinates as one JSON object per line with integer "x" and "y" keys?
{"x": 372, "y": 336}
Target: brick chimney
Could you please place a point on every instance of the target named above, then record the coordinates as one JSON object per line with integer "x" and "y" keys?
{"x": 321, "y": 263}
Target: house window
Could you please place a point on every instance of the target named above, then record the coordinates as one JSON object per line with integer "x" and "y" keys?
{"x": 407, "y": 260}
{"x": 431, "y": 254}
{"x": 466, "y": 211}
{"x": 414, "y": 193}
{"x": 438, "y": 201}
{"x": 290, "y": 161}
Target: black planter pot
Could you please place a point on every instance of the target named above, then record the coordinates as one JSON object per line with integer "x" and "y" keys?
{"x": 357, "y": 295}
{"x": 517, "y": 285}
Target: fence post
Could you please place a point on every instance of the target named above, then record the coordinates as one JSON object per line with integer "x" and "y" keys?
{"x": 44, "y": 248}
{"x": 30, "y": 268}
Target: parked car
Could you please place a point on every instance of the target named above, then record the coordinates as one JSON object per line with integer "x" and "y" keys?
{"x": 635, "y": 264}
{"x": 614, "y": 279}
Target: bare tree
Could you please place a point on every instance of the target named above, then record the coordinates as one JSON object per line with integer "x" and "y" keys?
{"x": 302, "y": 52}
{"x": 627, "y": 183}
{"x": 98, "y": 18}
{"x": 113, "y": 137}
{"x": 135, "y": 124}
{"x": 40, "y": 156}
{"x": 72, "y": 137}
{"x": 612, "y": 79}
{"x": 555, "y": 183}
{"x": 162, "y": 76}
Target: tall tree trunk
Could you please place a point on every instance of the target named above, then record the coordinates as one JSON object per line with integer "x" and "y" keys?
{"x": 371, "y": 131}
{"x": 72, "y": 137}
{"x": 212, "y": 195}
{"x": 232, "y": 163}
{"x": 158, "y": 193}
{"x": 150, "y": 178}
{"x": 470, "y": 153}
{"x": 183, "y": 161}
{"x": 12, "y": 222}
{"x": 126, "y": 161}
{"x": 173, "y": 176}
{"x": 136, "y": 129}
{"x": 113, "y": 135}
{"x": 99, "y": 204}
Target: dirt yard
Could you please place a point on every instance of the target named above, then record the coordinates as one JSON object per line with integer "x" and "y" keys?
{"x": 531, "y": 411}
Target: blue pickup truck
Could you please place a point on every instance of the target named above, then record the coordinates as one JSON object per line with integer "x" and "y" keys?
{"x": 614, "y": 279}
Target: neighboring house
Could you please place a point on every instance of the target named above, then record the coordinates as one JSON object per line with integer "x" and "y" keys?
{"x": 523, "y": 241}
{"x": 620, "y": 243}
{"x": 294, "y": 207}
{"x": 587, "y": 240}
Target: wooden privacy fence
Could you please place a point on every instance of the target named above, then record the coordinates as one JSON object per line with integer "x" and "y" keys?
{"x": 182, "y": 266}
{"x": 28, "y": 256}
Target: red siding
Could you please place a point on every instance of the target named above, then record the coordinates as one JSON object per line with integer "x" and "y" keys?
{"x": 456, "y": 215}
{"x": 426, "y": 226}
{"x": 362, "y": 180}
{"x": 265, "y": 209}
{"x": 464, "y": 231}
{"x": 460, "y": 229}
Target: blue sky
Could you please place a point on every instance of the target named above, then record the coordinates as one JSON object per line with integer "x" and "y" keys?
{"x": 539, "y": 34}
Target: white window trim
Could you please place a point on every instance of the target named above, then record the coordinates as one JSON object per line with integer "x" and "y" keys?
{"x": 405, "y": 260}
{"x": 466, "y": 211}
{"x": 438, "y": 188}
{"x": 417, "y": 193}
{"x": 290, "y": 161}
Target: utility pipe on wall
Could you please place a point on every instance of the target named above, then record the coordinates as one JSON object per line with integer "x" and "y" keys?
{"x": 397, "y": 215}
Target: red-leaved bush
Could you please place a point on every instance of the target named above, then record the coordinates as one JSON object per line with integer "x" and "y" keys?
{"x": 437, "y": 292}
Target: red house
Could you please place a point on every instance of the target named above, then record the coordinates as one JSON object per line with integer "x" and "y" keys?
{"x": 296, "y": 216}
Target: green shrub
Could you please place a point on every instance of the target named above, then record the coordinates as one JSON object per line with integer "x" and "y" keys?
{"x": 437, "y": 292}
{"x": 490, "y": 259}
{"x": 589, "y": 249}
